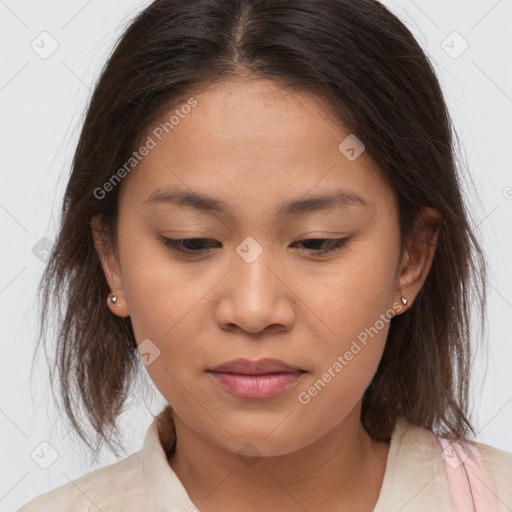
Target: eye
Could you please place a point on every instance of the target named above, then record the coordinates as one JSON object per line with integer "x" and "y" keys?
{"x": 197, "y": 245}
{"x": 327, "y": 245}
{"x": 187, "y": 245}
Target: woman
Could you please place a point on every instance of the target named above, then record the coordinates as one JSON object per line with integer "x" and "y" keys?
{"x": 264, "y": 208}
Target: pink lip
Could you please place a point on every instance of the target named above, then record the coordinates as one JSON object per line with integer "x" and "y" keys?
{"x": 259, "y": 367}
{"x": 256, "y": 379}
{"x": 256, "y": 386}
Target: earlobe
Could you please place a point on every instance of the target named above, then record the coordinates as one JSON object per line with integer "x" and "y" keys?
{"x": 118, "y": 307}
{"x": 115, "y": 300}
{"x": 418, "y": 255}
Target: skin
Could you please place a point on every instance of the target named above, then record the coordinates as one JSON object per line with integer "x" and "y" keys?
{"x": 254, "y": 145}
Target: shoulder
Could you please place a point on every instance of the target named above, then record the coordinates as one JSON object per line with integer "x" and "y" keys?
{"x": 104, "y": 489}
{"x": 499, "y": 463}
{"x": 420, "y": 448}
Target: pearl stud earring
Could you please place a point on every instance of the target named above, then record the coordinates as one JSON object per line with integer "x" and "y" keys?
{"x": 113, "y": 299}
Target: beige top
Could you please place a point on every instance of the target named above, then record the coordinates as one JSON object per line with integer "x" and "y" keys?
{"x": 415, "y": 480}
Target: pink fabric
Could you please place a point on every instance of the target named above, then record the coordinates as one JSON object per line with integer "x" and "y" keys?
{"x": 471, "y": 482}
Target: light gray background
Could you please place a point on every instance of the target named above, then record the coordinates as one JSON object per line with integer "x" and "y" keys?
{"x": 42, "y": 103}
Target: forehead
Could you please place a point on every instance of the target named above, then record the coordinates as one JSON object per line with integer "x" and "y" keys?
{"x": 251, "y": 140}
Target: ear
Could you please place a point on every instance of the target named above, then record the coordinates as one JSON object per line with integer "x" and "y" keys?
{"x": 418, "y": 256}
{"x": 111, "y": 267}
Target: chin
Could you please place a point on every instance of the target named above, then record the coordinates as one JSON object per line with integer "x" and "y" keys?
{"x": 256, "y": 444}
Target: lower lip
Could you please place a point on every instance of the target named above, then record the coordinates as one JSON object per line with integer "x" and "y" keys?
{"x": 256, "y": 386}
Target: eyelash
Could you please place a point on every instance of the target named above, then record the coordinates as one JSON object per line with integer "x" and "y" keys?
{"x": 176, "y": 244}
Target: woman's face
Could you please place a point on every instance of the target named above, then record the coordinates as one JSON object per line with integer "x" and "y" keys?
{"x": 270, "y": 165}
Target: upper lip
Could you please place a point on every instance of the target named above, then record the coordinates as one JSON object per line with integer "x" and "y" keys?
{"x": 259, "y": 367}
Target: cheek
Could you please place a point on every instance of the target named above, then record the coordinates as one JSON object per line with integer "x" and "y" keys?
{"x": 352, "y": 294}
{"x": 355, "y": 310}
{"x": 163, "y": 305}
{"x": 354, "y": 304}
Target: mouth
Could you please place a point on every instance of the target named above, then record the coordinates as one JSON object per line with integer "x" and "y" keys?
{"x": 256, "y": 379}
{"x": 260, "y": 367}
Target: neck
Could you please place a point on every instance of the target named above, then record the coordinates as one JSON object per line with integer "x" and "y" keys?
{"x": 343, "y": 470}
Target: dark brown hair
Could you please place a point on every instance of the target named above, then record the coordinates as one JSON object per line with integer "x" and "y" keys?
{"x": 368, "y": 69}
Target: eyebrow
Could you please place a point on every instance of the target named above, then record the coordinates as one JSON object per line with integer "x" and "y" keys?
{"x": 337, "y": 198}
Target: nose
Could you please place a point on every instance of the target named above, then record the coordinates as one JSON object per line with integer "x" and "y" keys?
{"x": 255, "y": 296}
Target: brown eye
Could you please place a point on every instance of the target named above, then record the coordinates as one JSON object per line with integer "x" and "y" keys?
{"x": 190, "y": 245}
{"x": 324, "y": 245}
